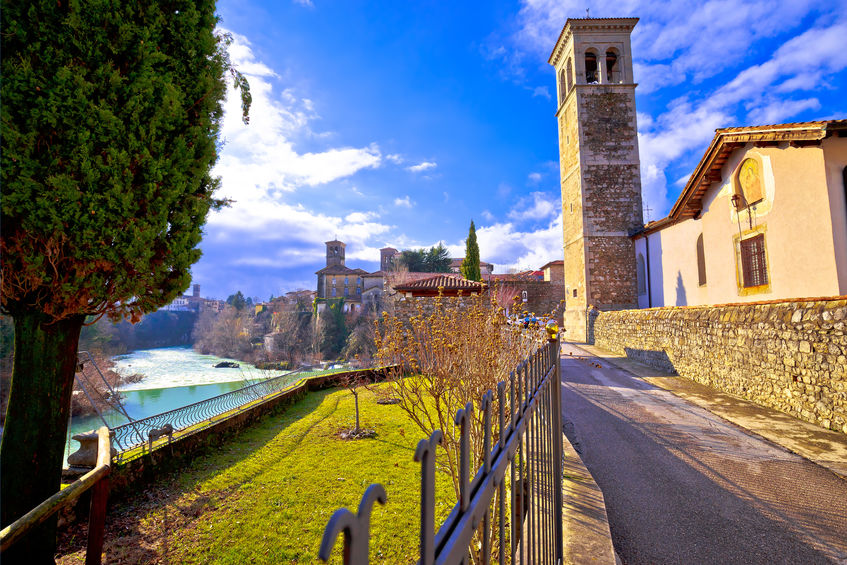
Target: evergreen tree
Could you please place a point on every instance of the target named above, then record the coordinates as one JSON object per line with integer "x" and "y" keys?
{"x": 434, "y": 260}
{"x": 237, "y": 300}
{"x": 470, "y": 265}
{"x": 438, "y": 259}
{"x": 110, "y": 117}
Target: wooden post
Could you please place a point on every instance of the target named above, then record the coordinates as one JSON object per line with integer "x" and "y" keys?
{"x": 99, "y": 496}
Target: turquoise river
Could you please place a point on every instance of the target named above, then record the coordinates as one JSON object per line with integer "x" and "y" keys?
{"x": 172, "y": 377}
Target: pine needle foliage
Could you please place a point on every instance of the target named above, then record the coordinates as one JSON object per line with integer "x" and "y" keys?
{"x": 110, "y": 116}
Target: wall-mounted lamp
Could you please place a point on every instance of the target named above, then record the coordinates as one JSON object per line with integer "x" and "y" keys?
{"x": 739, "y": 201}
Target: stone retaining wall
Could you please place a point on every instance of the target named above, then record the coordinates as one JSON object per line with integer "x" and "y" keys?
{"x": 791, "y": 356}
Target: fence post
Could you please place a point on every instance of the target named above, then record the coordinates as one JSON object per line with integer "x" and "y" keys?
{"x": 99, "y": 496}
{"x": 557, "y": 445}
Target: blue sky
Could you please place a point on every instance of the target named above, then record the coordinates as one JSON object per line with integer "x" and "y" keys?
{"x": 395, "y": 123}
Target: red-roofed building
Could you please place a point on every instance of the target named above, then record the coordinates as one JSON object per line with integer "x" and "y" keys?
{"x": 445, "y": 284}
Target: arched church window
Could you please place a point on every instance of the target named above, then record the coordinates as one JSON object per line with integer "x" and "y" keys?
{"x": 641, "y": 274}
{"x": 613, "y": 73}
{"x": 591, "y": 74}
{"x": 569, "y": 74}
{"x": 562, "y": 87}
{"x": 701, "y": 261}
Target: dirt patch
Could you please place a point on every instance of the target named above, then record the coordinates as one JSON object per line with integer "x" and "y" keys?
{"x": 361, "y": 433}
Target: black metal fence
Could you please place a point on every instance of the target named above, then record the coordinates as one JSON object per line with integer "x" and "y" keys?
{"x": 511, "y": 512}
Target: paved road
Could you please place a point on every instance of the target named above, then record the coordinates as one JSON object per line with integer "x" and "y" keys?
{"x": 684, "y": 486}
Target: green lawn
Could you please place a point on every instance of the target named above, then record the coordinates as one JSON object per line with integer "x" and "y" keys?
{"x": 266, "y": 496}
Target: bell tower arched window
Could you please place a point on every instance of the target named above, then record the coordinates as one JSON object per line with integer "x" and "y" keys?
{"x": 563, "y": 90}
{"x": 613, "y": 66}
{"x": 592, "y": 74}
{"x": 569, "y": 74}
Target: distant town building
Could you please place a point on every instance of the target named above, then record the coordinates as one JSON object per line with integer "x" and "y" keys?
{"x": 484, "y": 268}
{"x": 337, "y": 280}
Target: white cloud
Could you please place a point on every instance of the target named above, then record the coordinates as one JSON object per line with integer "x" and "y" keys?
{"x": 260, "y": 168}
{"x": 677, "y": 38}
{"x": 507, "y": 247}
{"x": 541, "y": 91}
{"x": 360, "y": 217}
{"x": 534, "y": 178}
{"x": 778, "y": 110}
{"x": 404, "y": 202}
{"x": 538, "y": 206}
{"x": 395, "y": 158}
{"x": 293, "y": 234}
{"x": 420, "y": 167}
{"x": 261, "y": 158}
{"x": 688, "y": 125}
{"x": 487, "y": 216}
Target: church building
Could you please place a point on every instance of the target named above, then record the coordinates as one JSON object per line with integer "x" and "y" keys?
{"x": 762, "y": 217}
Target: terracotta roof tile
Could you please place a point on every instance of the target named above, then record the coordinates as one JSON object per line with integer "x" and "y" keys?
{"x": 444, "y": 281}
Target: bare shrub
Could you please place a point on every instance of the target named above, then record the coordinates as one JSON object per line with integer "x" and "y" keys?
{"x": 452, "y": 351}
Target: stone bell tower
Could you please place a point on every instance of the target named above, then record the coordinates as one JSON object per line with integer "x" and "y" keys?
{"x": 335, "y": 253}
{"x": 600, "y": 170}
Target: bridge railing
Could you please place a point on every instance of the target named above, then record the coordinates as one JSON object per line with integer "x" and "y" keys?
{"x": 511, "y": 511}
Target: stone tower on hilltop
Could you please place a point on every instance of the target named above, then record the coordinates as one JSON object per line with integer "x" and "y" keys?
{"x": 600, "y": 171}
{"x": 335, "y": 253}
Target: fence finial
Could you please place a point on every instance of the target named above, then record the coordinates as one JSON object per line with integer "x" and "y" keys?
{"x": 462, "y": 420}
{"x": 425, "y": 454}
{"x": 356, "y": 528}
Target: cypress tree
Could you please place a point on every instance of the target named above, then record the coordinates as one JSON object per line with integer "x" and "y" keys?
{"x": 470, "y": 265}
{"x": 110, "y": 117}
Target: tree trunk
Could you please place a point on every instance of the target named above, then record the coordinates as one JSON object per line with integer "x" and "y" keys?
{"x": 31, "y": 452}
{"x": 356, "y": 396}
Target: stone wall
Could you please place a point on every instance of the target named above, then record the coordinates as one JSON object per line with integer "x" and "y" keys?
{"x": 542, "y": 297}
{"x": 791, "y": 356}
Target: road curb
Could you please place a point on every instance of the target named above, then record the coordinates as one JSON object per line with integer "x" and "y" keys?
{"x": 585, "y": 525}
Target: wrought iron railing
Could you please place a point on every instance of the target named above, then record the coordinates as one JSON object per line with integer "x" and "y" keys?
{"x": 522, "y": 472}
{"x": 146, "y": 430}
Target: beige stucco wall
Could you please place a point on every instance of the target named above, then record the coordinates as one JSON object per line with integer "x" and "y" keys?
{"x": 796, "y": 217}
